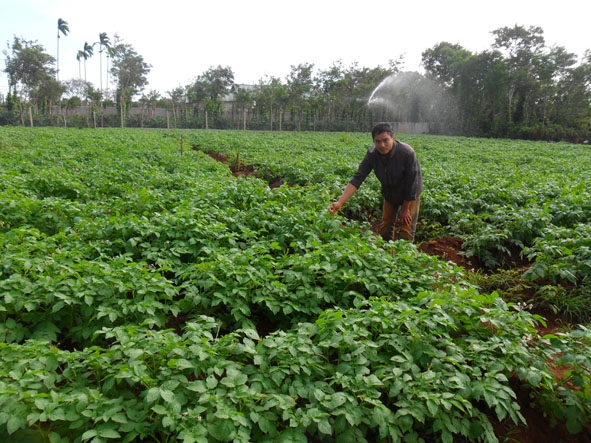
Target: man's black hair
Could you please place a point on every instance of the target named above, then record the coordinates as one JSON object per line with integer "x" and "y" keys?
{"x": 380, "y": 128}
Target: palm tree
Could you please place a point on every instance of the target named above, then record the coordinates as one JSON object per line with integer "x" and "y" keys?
{"x": 62, "y": 28}
{"x": 89, "y": 49}
{"x": 110, "y": 51}
{"x": 106, "y": 43}
{"x": 84, "y": 54}
{"x": 81, "y": 55}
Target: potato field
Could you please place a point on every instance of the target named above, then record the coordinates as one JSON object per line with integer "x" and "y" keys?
{"x": 191, "y": 285}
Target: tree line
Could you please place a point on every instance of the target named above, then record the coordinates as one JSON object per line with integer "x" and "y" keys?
{"x": 520, "y": 88}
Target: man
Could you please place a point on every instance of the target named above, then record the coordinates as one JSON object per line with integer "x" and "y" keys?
{"x": 396, "y": 166}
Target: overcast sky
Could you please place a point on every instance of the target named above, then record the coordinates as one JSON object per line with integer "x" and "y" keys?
{"x": 181, "y": 39}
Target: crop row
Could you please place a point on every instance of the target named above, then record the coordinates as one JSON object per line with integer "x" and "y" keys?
{"x": 147, "y": 294}
{"x": 508, "y": 200}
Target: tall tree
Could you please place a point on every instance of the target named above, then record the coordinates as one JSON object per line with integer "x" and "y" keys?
{"x": 196, "y": 96}
{"x": 271, "y": 98}
{"x": 79, "y": 56}
{"x": 219, "y": 81}
{"x": 130, "y": 70}
{"x": 27, "y": 66}
{"x": 152, "y": 99}
{"x": 480, "y": 93}
{"x": 177, "y": 96}
{"x": 104, "y": 44}
{"x": 552, "y": 68}
{"x": 523, "y": 49}
{"x": 354, "y": 90}
{"x": 86, "y": 53}
{"x": 208, "y": 90}
{"x": 109, "y": 55}
{"x": 442, "y": 62}
{"x": 62, "y": 28}
{"x": 462, "y": 74}
{"x": 245, "y": 102}
{"x": 48, "y": 92}
{"x": 571, "y": 98}
{"x": 326, "y": 82}
{"x": 299, "y": 85}
{"x": 76, "y": 88}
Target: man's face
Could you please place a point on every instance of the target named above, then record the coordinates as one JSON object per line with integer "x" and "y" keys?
{"x": 383, "y": 143}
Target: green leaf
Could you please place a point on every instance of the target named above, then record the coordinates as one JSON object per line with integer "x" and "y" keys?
{"x": 221, "y": 429}
{"x": 534, "y": 378}
{"x": 160, "y": 409}
{"x": 324, "y": 426}
{"x": 251, "y": 333}
{"x": 234, "y": 378}
{"x": 197, "y": 386}
{"x": 183, "y": 364}
{"x": 167, "y": 396}
{"x": 15, "y": 423}
{"x": 292, "y": 436}
{"x": 107, "y": 430}
{"x": 54, "y": 437}
{"x": 168, "y": 422}
{"x": 89, "y": 434}
{"x": 153, "y": 395}
{"x": 334, "y": 401}
{"x": 211, "y": 382}
{"x": 119, "y": 417}
{"x": 574, "y": 424}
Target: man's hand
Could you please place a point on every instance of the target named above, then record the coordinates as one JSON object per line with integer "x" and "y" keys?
{"x": 405, "y": 216}
{"x": 334, "y": 207}
{"x": 346, "y": 195}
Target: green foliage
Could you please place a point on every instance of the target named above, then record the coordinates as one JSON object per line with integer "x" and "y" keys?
{"x": 149, "y": 295}
{"x": 572, "y": 303}
{"x": 561, "y": 254}
{"x": 571, "y": 398}
{"x": 430, "y": 367}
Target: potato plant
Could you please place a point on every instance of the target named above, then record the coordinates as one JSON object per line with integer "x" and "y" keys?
{"x": 150, "y": 295}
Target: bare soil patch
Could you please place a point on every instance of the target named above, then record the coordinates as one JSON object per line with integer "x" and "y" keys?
{"x": 450, "y": 249}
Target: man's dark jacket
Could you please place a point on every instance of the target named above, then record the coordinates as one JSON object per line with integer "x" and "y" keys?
{"x": 399, "y": 172}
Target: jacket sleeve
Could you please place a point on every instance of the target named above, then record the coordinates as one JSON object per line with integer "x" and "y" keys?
{"x": 365, "y": 167}
{"x": 413, "y": 181}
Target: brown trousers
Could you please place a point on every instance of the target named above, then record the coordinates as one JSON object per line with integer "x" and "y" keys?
{"x": 391, "y": 228}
